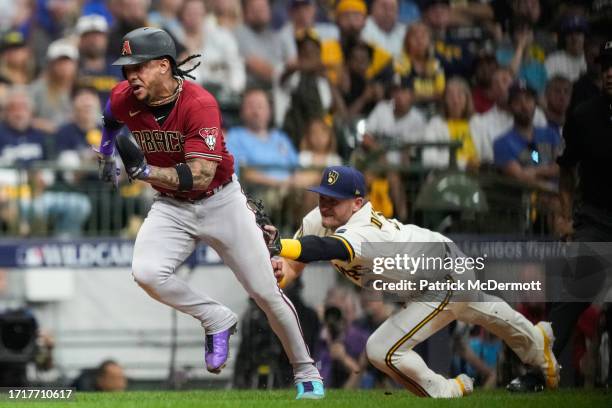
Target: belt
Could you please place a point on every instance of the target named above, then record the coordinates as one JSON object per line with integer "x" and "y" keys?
{"x": 204, "y": 195}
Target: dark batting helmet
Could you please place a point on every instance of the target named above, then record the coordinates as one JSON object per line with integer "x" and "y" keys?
{"x": 144, "y": 44}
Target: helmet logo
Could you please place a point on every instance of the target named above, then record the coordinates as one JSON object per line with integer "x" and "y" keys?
{"x": 332, "y": 177}
{"x": 126, "y": 50}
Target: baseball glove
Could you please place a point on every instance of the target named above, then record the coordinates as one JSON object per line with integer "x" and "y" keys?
{"x": 132, "y": 157}
{"x": 272, "y": 238}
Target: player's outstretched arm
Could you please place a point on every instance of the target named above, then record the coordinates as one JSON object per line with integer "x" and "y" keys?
{"x": 311, "y": 248}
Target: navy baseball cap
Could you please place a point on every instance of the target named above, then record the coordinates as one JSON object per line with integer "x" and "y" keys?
{"x": 341, "y": 182}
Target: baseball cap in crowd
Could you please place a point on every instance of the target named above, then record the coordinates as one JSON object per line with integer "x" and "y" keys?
{"x": 519, "y": 87}
{"x": 293, "y": 4}
{"x": 358, "y": 6}
{"x": 341, "y": 182}
{"x": 402, "y": 81}
{"x": 11, "y": 39}
{"x": 62, "y": 49}
{"x": 91, "y": 23}
{"x": 573, "y": 24}
{"x": 425, "y": 4}
{"x": 605, "y": 53}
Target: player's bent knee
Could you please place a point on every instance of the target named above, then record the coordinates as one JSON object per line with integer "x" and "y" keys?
{"x": 145, "y": 274}
{"x": 376, "y": 351}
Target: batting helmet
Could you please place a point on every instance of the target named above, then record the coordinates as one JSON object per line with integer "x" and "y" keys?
{"x": 144, "y": 44}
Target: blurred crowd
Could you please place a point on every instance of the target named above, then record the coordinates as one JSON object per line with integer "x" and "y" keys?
{"x": 387, "y": 85}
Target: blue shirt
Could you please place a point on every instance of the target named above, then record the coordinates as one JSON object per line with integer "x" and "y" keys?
{"x": 276, "y": 151}
{"x": 511, "y": 146}
{"x": 21, "y": 148}
{"x": 531, "y": 70}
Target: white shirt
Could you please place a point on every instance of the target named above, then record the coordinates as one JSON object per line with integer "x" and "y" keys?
{"x": 383, "y": 124}
{"x": 392, "y": 41}
{"x": 561, "y": 63}
{"x": 221, "y": 62}
{"x": 487, "y": 127}
{"x": 305, "y": 158}
{"x": 366, "y": 227}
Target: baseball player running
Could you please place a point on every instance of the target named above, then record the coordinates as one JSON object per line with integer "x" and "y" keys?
{"x": 180, "y": 151}
{"x": 337, "y": 231}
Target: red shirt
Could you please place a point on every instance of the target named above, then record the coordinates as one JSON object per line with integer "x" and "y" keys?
{"x": 191, "y": 130}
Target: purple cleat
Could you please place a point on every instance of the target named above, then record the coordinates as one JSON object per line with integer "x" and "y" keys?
{"x": 216, "y": 349}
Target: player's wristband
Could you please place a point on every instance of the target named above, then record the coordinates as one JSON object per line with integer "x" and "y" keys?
{"x": 185, "y": 177}
{"x": 290, "y": 248}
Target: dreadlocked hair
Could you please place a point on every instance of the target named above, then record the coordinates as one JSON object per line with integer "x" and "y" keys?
{"x": 176, "y": 71}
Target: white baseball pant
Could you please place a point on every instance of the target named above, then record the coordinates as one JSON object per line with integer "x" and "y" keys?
{"x": 389, "y": 348}
{"x": 224, "y": 222}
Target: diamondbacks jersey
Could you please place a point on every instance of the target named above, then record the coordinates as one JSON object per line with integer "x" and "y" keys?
{"x": 367, "y": 226}
{"x": 191, "y": 130}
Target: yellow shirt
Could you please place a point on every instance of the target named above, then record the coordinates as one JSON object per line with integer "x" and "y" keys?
{"x": 459, "y": 129}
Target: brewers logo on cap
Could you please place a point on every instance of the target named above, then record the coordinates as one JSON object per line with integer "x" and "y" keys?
{"x": 332, "y": 177}
{"x": 126, "y": 49}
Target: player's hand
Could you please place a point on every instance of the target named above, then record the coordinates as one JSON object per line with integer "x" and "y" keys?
{"x": 277, "y": 267}
{"x": 108, "y": 171}
{"x": 272, "y": 237}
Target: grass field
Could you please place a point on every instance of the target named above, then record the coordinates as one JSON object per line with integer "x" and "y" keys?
{"x": 335, "y": 398}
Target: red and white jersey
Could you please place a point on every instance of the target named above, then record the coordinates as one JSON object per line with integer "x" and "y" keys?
{"x": 191, "y": 130}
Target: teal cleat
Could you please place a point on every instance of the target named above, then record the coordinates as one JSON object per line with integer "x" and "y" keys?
{"x": 310, "y": 390}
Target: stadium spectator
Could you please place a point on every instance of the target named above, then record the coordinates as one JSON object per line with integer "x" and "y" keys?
{"x": 523, "y": 56}
{"x": 21, "y": 145}
{"x": 487, "y": 127}
{"x": 302, "y": 18}
{"x": 51, "y": 92}
{"x": 392, "y": 124}
{"x": 484, "y": 68}
{"x": 359, "y": 92}
{"x": 569, "y": 61}
{"x": 383, "y": 28}
{"x": 351, "y": 19}
{"x": 226, "y": 13}
{"x": 318, "y": 146}
{"x": 557, "y": 97}
{"x": 128, "y": 15}
{"x": 269, "y": 157}
{"x": 589, "y": 83}
{"x": 303, "y": 91}
{"x": 340, "y": 351}
{"x": 419, "y": 64}
{"x": 110, "y": 377}
{"x": 222, "y": 68}
{"x": 84, "y": 130}
{"x": 455, "y": 59}
{"x": 260, "y": 46}
{"x": 166, "y": 16}
{"x": 453, "y": 124}
{"x": 527, "y": 153}
{"x": 53, "y": 20}
{"x": 95, "y": 70}
{"x": 16, "y": 61}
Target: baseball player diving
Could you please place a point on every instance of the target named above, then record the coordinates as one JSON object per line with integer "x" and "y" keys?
{"x": 341, "y": 227}
{"x": 181, "y": 152}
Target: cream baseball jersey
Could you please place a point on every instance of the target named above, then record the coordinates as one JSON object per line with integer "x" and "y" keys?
{"x": 367, "y": 226}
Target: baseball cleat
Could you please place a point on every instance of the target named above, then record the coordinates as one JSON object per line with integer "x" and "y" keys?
{"x": 530, "y": 382}
{"x": 216, "y": 349}
{"x": 550, "y": 368}
{"x": 310, "y": 390}
{"x": 465, "y": 384}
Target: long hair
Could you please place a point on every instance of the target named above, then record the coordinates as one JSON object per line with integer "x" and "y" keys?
{"x": 468, "y": 110}
{"x": 185, "y": 73}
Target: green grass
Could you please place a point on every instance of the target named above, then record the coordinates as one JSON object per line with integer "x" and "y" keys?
{"x": 334, "y": 398}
